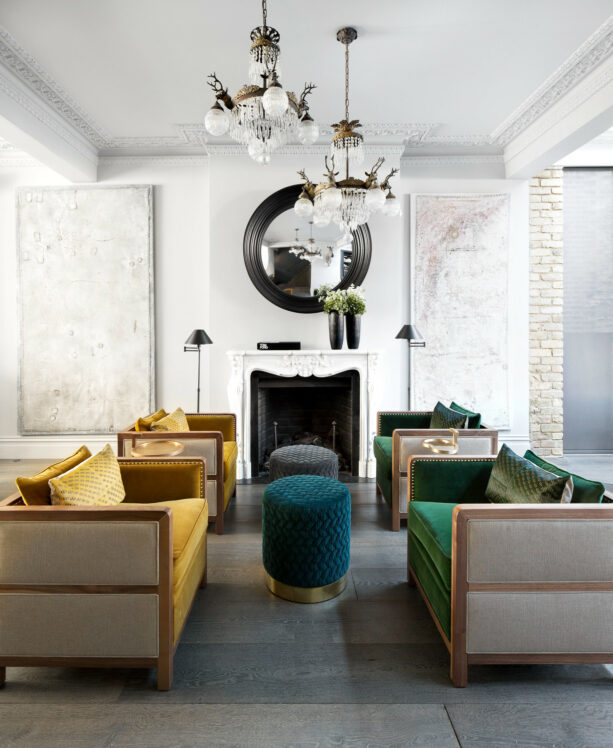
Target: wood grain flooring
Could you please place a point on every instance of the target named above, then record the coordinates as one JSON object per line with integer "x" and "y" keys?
{"x": 365, "y": 669}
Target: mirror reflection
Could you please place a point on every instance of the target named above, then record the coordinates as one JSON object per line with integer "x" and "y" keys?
{"x": 299, "y": 257}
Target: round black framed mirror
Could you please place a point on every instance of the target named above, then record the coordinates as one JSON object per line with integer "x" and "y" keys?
{"x": 288, "y": 258}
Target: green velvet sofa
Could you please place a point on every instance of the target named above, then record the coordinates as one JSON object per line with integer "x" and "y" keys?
{"x": 510, "y": 583}
{"x": 400, "y": 435}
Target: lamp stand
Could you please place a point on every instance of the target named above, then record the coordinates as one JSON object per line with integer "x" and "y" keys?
{"x": 409, "y": 377}
{"x": 198, "y": 397}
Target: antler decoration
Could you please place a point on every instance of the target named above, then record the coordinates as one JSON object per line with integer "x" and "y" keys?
{"x": 221, "y": 93}
{"x": 371, "y": 176}
{"x": 330, "y": 173}
{"x": 303, "y": 104}
{"x": 385, "y": 184}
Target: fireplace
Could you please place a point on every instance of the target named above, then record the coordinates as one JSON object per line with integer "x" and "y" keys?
{"x": 324, "y": 411}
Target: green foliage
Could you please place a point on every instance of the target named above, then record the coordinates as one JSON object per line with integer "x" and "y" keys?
{"x": 350, "y": 301}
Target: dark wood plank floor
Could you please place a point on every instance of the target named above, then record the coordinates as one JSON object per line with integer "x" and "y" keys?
{"x": 365, "y": 669}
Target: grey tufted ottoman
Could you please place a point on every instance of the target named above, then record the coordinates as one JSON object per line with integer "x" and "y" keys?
{"x": 303, "y": 459}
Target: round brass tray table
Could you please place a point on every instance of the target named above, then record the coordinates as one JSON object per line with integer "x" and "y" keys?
{"x": 158, "y": 448}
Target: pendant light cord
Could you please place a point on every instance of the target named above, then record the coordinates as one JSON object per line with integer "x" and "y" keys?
{"x": 347, "y": 81}
{"x": 264, "y": 14}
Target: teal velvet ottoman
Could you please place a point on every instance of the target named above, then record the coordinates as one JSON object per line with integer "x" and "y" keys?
{"x": 306, "y": 531}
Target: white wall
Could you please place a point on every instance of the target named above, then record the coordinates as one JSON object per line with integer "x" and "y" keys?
{"x": 200, "y": 281}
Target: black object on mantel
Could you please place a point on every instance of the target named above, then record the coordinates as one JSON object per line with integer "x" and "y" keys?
{"x": 282, "y": 346}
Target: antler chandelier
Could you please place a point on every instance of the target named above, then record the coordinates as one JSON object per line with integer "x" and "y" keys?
{"x": 348, "y": 202}
{"x": 262, "y": 115}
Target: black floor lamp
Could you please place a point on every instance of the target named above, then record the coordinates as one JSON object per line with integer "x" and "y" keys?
{"x": 196, "y": 340}
{"x": 415, "y": 340}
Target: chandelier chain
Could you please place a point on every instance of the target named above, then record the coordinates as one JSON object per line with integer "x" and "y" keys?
{"x": 264, "y": 14}
{"x": 347, "y": 81}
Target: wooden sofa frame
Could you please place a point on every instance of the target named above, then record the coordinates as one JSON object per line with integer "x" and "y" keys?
{"x": 464, "y": 588}
{"x": 130, "y": 434}
{"x": 484, "y": 432}
{"x": 13, "y": 510}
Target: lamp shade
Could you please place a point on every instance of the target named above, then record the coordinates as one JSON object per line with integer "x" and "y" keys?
{"x": 198, "y": 337}
{"x": 409, "y": 332}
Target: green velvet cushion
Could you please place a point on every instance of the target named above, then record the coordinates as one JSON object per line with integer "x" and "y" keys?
{"x": 585, "y": 491}
{"x": 382, "y": 448}
{"x": 430, "y": 523}
{"x": 389, "y": 422}
{"x": 438, "y": 596}
{"x": 455, "y": 479}
{"x": 474, "y": 419}
{"x": 446, "y": 418}
{"x": 515, "y": 480}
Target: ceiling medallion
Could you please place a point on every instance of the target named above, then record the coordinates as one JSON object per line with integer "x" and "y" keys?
{"x": 348, "y": 202}
{"x": 262, "y": 115}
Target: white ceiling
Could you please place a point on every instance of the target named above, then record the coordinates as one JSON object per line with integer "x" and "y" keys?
{"x": 137, "y": 68}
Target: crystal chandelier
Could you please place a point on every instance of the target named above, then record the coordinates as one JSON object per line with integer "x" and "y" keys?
{"x": 348, "y": 202}
{"x": 262, "y": 115}
{"x": 310, "y": 250}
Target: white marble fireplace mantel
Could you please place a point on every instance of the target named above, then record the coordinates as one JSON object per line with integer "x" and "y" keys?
{"x": 303, "y": 363}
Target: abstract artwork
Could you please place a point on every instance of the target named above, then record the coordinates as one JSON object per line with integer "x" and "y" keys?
{"x": 85, "y": 265}
{"x": 459, "y": 284}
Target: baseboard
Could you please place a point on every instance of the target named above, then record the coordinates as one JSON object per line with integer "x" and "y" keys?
{"x": 518, "y": 442}
{"x": 40, "y": 447}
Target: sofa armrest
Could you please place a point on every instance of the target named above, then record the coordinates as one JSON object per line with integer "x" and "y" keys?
{"x": 388, "y": 421}
{"x": 607, "y": 497}
{"x": 149, "y": 480}
{"x": 449, "y": 478}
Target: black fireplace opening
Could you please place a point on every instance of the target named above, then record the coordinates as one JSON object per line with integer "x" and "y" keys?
{"x": 324, "y": 411}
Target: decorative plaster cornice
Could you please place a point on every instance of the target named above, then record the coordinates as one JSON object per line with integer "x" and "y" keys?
{"x": 32, "y": 103}
{"x": 31, "y": 73}
{"x": 594, "y": 51}
{"x": 162, "y": 160}
{"x": 319, "y": 149}
{"x": 450, "y": 160}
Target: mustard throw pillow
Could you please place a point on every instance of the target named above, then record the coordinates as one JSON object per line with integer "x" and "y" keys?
{"x": 95, "y": 482}
{"x": 144, "y": 424}
{"x": 176, "y": 421}
{"x": 35, "y": 491}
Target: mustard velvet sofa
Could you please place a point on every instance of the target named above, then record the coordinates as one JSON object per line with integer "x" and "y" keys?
{"x": 105, "y": 586}
{"x": 212, "y": 436}
{"x": 399, "y": 435}
{"x": 510, "y": 583}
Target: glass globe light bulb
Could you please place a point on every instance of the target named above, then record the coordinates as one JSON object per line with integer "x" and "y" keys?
{"x": 375, "y": 198}
{"x": 331, "y": 198}
{"x": 275, "y": 101}
{"x": 263, "y": 158}
{"x": 303, "y": 207}
{"x": 216, "y": 120}
{"x": 391, "y": 207}
{"x": 255, "y": 149}
{"x": 321, "y": 219}
{"x": 308, "y": 130}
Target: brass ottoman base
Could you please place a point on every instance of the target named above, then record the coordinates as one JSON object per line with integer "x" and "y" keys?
{"x": 306, "y": 594}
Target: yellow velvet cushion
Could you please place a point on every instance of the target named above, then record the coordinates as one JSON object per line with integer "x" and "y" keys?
{"x": 95, "y": 482}
{"x": 224, "y": 422}
{"x": 176, "y": 421}
{"x": 190, "y": 520}
{"x": 230, "y": 453}
{"x": 35, "y": 491}
{"x": 144, "y": 424}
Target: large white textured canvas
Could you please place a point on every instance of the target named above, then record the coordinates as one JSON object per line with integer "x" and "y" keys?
{"x": 459, "y": 283}
{"x": 85, "y": 264}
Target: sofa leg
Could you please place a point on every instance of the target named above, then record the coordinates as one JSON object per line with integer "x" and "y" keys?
{"x": 379, "y": 493}
{"x": 234, "y": 492}
{"x": 395, "y": 521}
{"x": 411, "y": 579}
{"x": 2, "y": 676}
{"x": 219, "y": 524}
{"x": 164, "y": 681}
{"x": 203, "y": 580}
{"x": 459, "y": 669}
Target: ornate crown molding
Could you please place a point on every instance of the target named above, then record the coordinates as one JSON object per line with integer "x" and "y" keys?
{"x": 161, "y": 160}
{"x": 450, "y": 160}
{"x": 594, "y": 51}
{"x": 30, "y": 72}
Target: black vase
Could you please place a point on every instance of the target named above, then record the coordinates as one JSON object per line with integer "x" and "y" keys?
{"x": 336, "y": 328}
{"x": 353, "y": 322}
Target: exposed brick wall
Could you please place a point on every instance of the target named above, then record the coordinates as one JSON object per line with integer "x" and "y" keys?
{"x": 546, "y": 323}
